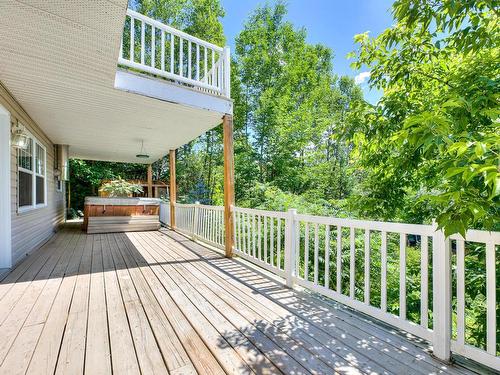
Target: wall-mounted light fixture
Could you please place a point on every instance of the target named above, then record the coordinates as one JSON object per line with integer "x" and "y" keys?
{"x": 19, "y": 138}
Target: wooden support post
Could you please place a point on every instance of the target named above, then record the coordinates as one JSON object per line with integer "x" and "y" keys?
{"x": 173, "y": 189}
{"x": 150, "y": 181}
{"x": 228, "y": 183}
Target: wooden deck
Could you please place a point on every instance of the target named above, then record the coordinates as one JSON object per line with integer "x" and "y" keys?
{"x": 155, "y": 302}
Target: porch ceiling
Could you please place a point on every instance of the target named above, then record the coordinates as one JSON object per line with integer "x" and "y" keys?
{"x": 59, "y": 59}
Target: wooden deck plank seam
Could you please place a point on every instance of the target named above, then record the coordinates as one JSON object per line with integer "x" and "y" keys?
{"x": 436, "y": 364}
{"x": 211, "y": 301}
{"x": 229, "y": 292}
{"x": 57, "y": 251}
{"x": 263, "y": 316}
{"x": 187, "y": 319}
{"x": 51, "y": 311}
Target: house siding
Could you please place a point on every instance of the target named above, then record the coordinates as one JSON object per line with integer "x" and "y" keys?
{"x": 31, "y": 229}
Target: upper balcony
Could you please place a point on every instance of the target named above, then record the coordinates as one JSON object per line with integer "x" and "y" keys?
{"x": 87, "y": 68}
{"x": 154, "y": 48}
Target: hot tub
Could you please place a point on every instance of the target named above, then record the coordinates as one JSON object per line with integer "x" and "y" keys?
{"x": 105, "y": 215}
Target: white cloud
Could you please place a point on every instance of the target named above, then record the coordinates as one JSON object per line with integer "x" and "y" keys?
{"x": 361, "y": 78}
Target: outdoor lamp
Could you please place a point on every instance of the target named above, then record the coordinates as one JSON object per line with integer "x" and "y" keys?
{"x": 142, "y": 154}
{"x": 19, "y": 138}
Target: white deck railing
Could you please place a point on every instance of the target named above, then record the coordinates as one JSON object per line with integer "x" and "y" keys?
{"x": 201, "y": 222}
{"x": 153, "y": 47}
{"x": 343, "y": 259}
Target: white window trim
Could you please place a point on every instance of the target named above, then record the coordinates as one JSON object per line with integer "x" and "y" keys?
{"x": 34, "y": 205}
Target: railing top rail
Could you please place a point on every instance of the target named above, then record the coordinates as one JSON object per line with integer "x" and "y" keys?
{"x": 172, "y": 30}
{"x": 184, "y": 205}
{"x": 474, "y": 235}
{"x": 419, "y": 229}
{"x": 254, "y": 211}
{"x": 208, "y": 207}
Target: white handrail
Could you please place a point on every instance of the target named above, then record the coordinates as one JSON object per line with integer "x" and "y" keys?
{"x": 322, "y": 253}
{"x": 205, "y": 66}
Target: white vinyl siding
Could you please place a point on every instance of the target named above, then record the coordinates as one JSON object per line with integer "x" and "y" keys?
{"x": 34, "y": 227}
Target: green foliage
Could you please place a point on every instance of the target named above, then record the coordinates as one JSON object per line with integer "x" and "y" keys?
{"x": 434, "y": 136}
{"x": 289, "y": 107}
{"x": 87, "y": 175}
{"x": 121, "y": 188}
{"x": 200, "y": 18}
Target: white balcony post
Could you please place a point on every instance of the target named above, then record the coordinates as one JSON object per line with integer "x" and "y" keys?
{"x": 226, "y": 89}
{"x": 290, "y": 246}
{"x": 441, "y": 285}
{"x": 195, "y": 220}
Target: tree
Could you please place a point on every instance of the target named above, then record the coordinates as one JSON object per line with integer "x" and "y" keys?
{"x": 290, "y": 103}
{"x": 433, "y": 140}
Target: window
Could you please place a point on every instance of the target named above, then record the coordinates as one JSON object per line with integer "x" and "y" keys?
{"x": 32, "y": 186}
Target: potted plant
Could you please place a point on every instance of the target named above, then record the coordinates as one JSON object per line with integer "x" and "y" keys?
{"x": 121, "y": 188}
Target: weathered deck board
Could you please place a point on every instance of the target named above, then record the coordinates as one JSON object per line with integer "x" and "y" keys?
{"x": 356, "y": 343}
{"x": 155, "y": 302}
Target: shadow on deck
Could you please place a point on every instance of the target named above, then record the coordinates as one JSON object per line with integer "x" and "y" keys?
{"x": 156, "y": 302}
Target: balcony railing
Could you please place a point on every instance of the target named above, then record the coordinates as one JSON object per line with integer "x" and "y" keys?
{"x": 419, "y": 275}
{"x": 152, "y": 47}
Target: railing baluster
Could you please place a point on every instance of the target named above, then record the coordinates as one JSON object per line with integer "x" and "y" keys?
{"x": 197, "y": 62}
{"x": 249, "y": 235}
{"x": 212, "y": 229}
{"x": 460, "y": 291}
{"x": 352, "y": 265}
{"x": 143, "y": 42}
{"x": 213, "y": 67}
{"x": 153, "y": 46}
{"x": 205, "y": 223}
{"x": 278, "y": 247}
{"x": 316, "y": 253}
{"x": 189, "y": 60}
{"x": 259, "y": 237}
{"x": 172, "y": 53}
{"x": 205, "y": 57}
{"x": 219, "y": 70}
{"x": 402, "y": 275}
{"x": 491, "y": 324}
{"x": 162, "y": 50}
{"x": 243, "y": 232}
{"x": 339, "y": 259}
{"x": 383, "y": 273}
{"x": 424, "y": 281}
{"x": 219, "y": 228}
{"x": 181, "y": 57}
{"x": 253, "y": 237}
{"x": 297, "y": 246}
{"x": 132, "y": 38}
{"x": 367, "y": 266}
{"x": 306, "y": 253}
{"x": 265, "y": 238}
{"x": 271, "y": 242}
{"x": 327, "y": 256}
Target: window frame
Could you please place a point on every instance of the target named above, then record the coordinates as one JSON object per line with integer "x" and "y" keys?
{"x": 34, "y": 174}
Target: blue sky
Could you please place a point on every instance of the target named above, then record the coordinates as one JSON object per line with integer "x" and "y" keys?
{"x": 329, "y": 22}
